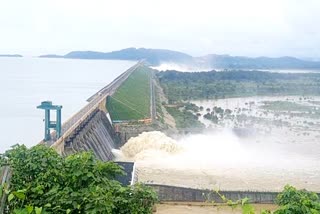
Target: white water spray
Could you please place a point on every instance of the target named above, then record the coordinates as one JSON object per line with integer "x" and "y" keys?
{"x": 181, "y": 67}
{"x": 220, "y": 160}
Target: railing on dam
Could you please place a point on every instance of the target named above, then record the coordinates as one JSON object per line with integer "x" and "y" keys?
{"x": 95, "y": 101}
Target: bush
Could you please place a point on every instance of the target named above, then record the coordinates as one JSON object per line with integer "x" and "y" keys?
{"x": 295, "y": 201}
{"x": 44, "y": 182}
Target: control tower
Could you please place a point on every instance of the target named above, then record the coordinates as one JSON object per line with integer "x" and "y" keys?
{"x": 56, "y": 125}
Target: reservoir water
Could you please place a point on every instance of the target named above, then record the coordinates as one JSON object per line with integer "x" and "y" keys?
{"x": 26, "y": 82}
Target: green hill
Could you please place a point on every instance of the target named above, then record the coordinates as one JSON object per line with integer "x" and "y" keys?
{"x": 152, "y": 56}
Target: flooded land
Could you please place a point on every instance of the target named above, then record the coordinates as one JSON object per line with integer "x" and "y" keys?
{"x": 281, "y": 119}
{"x": 254, "y": 143}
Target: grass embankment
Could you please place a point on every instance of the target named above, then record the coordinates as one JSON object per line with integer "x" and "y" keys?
{"x": 132, "y": 99}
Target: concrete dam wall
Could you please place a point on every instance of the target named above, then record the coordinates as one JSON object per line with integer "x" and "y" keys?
{"x": 94, "y": 134}
{"x": 182, "y": 194}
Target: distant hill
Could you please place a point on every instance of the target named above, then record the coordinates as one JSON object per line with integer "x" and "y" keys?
{"x": 10, "y": 55}
{"x": 213, "y": 61}
{"x": 153, "y": 56}
{"x": 51, "y": 56}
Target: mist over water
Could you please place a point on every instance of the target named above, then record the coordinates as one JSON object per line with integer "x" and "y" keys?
{"x": 220, "y": 159}
{"x": 207, "y": 150}
{"x": 182, "y": 67}
{"x": 196, "y": 67}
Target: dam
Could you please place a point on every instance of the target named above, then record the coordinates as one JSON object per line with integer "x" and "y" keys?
{"x": 178, "y": 169}
{"x": 90, "y": 129}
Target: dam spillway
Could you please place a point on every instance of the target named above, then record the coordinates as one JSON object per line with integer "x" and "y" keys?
{"x": 96, "y": 134}
{"x": 90, "y": 129}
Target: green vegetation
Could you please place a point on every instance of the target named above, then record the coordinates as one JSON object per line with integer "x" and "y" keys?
{"x": 132, "y": 99}
{"x": 243, "y": 118}
{"x": 213, "y": 85}
{"x": 286, "y": 106}
{"x": 44, "y": 182}
{"x": 290, "y": 201}
{"x": 246, "y": 207}
{"x": 159, "y": 111}
{"x": 295, "y": 201}
{"x": 192, "y": 107}
{"x": 184, "y": 118}
{"x": 217, "y": 114}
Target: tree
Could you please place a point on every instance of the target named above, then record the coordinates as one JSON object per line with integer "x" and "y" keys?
{"x": 44, "y": 182}
{"x": 295, "y": 201}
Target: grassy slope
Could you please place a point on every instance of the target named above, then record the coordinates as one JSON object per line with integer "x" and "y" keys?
{"x": 132, "y": 100}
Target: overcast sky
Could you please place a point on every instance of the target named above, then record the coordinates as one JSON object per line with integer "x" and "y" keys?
{"x": 197, "y": 27}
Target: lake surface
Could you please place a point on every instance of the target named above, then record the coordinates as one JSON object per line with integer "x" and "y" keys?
{"x": 26, "y": 82}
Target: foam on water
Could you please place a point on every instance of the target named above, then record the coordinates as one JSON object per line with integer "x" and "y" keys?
{"x": 221, "y": 159}
{"x": 222, "y": 148}
{"x": 149, "y": 145}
